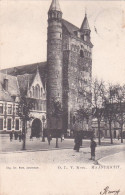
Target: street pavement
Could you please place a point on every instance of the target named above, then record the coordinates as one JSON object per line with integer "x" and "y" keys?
{"x": 38, "y": 152}
{"x": 113, "y": 159}
{"x": 37, "y": 144}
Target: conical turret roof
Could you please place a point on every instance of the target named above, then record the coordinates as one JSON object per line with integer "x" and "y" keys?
{"x": 85, "y": 24}
{"x": 55, "y": 6}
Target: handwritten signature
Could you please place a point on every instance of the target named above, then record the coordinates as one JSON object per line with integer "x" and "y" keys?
{"x": 108, "y": 191}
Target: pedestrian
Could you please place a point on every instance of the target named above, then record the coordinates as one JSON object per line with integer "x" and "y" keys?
{"x": 77, "y": 142}
{"x": 11, "y": 136}
{"x": 62, "y": 137}
{"x": 16, "y": 135}
{"x": 31, "y": 137}
{"x": 92, "y": 146}
{"x": 49, "y": 138}
{"x": 20, "y": 137}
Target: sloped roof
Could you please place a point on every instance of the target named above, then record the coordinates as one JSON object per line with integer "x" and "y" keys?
{"x": 29, "y": 69}
{"x": 13, "y": 89}
{"x": 24, "y": 82}
{"x": 25, "y": 69}
{"x": 70, "y": 27}
{"x": 85, "y": 24}
{"x": 55, "y": 6}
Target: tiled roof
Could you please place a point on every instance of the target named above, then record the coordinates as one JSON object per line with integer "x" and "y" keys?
{"x": 13, "y": 89}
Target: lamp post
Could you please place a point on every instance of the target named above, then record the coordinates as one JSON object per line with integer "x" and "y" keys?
{"x": 43, "y": 120}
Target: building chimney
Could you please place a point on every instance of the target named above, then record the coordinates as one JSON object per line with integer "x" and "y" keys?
{"x": 5, "y": 84}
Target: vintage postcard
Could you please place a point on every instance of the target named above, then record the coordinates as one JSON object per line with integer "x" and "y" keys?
{"x": 62, "y": 97}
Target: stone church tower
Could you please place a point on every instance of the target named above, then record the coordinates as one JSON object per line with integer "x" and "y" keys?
{"x": 69, "y": 69}
{"x": 54, "y": 61}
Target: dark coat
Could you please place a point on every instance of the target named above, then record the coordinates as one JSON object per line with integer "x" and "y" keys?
{"x": 93, "y": 146}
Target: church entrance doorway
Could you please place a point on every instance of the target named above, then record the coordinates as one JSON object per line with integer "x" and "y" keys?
{"x": 36, "y": 128}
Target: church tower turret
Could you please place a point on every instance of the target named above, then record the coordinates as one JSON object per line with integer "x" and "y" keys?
{"x": 54, "y": 61}
{"x": 85, "y": 29}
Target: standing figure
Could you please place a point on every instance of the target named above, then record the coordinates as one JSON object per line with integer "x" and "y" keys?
{"x": 92, "y": 146}
{"x": 11, "y": 136}
{"x": 20, "y": 137}
{"x": 62, "y": 137}
{"x": 49, "y": 138}
{"x": 77, "y": 141}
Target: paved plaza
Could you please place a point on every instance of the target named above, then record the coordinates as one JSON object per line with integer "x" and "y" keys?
{"x": 40, "y": 152}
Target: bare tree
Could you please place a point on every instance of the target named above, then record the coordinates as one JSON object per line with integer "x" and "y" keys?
{"x": 109, "y": 108}
{"x": 57, "y": 112}
{"x": 98, "y": 98}
{"x": 24, "y": 114}
{"x": 83, "y": 113}
{"x": 120, "y": 107}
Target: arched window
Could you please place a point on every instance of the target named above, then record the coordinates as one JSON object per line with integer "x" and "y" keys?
{"x": 81, "y": 54}
{"x": 37, "y": 91}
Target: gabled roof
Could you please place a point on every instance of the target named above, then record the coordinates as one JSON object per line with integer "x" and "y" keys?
{"x": 55, "y": 6}
{"x": 13, "y": 89}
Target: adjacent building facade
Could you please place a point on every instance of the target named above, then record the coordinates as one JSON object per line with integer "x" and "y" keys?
{"x": 12, "y": 88}
{"x": 9, "y": 98}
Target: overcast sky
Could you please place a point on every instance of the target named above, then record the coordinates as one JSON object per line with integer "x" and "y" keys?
{"x": 23, "y": 33}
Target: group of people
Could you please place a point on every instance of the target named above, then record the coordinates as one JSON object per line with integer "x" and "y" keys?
{"x": 78, "y": 143}
{"x": 15, "y": 136}
{"x": 49, "y": 138}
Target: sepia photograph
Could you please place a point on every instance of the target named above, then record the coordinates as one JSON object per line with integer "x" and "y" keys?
{"x": 62, "y": 97}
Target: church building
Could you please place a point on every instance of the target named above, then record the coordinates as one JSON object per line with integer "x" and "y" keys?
{"x": 67, "y": 74}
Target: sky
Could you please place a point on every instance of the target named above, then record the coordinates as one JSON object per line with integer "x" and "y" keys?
{"x": 23, "y": 33}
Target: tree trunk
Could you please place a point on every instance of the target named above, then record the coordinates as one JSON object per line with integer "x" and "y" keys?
{"x": 57, "y": 142}
{"x": 24, "y": 135}
{"x": 110, "y": 130}
{"x": 122, "y": 133}
{"x": 82, "y": 124}
{"x": 99, "y": 132}
{"x": 57, "y": 145}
